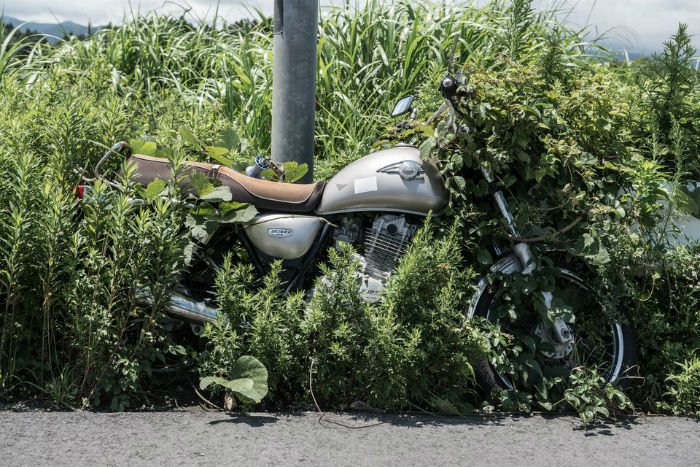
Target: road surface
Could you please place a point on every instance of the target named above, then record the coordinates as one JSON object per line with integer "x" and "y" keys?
{"x": 215, "y": 438}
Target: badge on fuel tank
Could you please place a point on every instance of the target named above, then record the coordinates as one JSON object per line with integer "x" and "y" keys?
{"x": 280, "y": 233}
{"x": 408, "y": 170}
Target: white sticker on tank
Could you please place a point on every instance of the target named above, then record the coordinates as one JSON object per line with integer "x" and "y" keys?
{"x": 363, "y": 185}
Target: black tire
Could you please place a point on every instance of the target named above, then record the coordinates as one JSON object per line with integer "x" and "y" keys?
{"x": 623, "y": 339}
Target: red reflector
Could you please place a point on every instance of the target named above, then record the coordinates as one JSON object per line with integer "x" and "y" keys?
{"x": 80, "y": 191}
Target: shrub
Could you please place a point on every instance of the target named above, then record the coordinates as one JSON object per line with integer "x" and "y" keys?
{"x": 683, "y": 395}
{"x": 263, "y": 322}
{"x": 412, "y": 348}
{"x": 94, "y": 340}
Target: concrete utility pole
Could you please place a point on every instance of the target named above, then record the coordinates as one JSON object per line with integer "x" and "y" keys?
{"x": 294, "y": 82}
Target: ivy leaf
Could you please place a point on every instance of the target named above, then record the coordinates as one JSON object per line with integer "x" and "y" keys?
{"x": 594, "y": 252}
{"x": 201, "y": 183}
{"x": 546, "y": 406}
{"x": 240, "y": 216}
{"x": 219, "y": 155}
{"x": 154, "y": 189}
{"x": 460, "y": 182}
{"x": 241, "y": 387}
{"x": 147, "y": 148}
{"x": 228, "y": 138}
{"x": 200, "y": 229}
{"x": 523, "y": 140}
{"x": 543, "y": 395}
{"x": 188, "y": 136}
{"x": 534, "y": 365}
{"x": 250, "y": 368}
{"x": 587, "y": 241}
{"x": 426, "y": 130}
{"x": 220, "y": 193}
{"x": 205, "y": 210}
{"x": 426, "y": 148}
{"x": 600, "y": 258}
{"x": 529, "y": 343}
{"x": 293, "y": 171}
{"x": 203, "y": 231}
{"x": 540, "y": 174}
{"x": 209, "y": 380}
{"x": 483, "y": 256}
{"x": 226, "y": 206}
{"x": 508, "y": 180}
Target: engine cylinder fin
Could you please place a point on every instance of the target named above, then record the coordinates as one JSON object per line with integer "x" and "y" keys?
{"x": 382, "y": 248}
{"x": 383, "y": 245}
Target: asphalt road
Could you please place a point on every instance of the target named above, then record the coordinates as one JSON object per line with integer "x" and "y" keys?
{"x": 212, "y": 438}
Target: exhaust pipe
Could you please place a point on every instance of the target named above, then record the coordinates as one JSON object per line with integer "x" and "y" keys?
{"x": 189, "y": 310}
{"x": 185, "y": 308}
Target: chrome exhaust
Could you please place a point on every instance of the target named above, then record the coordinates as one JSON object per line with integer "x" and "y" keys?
{"x": 189, "y": 310}
{"x": 185, "y": 308}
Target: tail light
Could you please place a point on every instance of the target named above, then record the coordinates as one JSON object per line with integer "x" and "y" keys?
{"x": 80, "y": 191}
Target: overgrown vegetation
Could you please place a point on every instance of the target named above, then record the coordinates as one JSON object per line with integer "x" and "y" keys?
{"x": 413, "y": 349}
{"x": 563, "y": 129}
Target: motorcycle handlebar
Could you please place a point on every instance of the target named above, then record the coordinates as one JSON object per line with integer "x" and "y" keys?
{"x": 118, "y": 148}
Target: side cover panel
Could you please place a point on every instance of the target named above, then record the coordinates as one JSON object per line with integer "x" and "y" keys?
{"x": 286, "y": 236}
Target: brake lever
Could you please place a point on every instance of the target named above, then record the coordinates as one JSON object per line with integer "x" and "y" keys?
{"x": 277, "y": 168}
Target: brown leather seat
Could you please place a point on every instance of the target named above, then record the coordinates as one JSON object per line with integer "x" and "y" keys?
{"x": 263, "y": 194}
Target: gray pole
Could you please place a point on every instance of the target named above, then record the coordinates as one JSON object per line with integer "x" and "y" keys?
{"x": 294, "y": 82}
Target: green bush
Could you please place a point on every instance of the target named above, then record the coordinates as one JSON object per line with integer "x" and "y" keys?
{"x": 413, "y": 348}
{"x": 260, "y": 321}
{"x": 683, "y": 396}
{"x": 73, "y": 323}
{"x": 564, "y": 150}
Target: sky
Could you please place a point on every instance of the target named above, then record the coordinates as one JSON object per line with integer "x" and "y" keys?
{"x": 635, "y": 25}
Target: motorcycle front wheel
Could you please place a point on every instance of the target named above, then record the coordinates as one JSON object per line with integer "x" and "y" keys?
{"x": 609, "y": 345}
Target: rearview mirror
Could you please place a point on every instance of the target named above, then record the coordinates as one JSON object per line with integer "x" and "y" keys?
{"x": 402, "y": 106}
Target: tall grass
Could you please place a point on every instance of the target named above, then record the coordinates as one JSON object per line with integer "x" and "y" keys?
{"x": 368, "y": 56}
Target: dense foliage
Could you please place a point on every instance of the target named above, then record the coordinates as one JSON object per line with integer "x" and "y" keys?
{"x": 578, "y": 141}
{"x": 413, "y": 348}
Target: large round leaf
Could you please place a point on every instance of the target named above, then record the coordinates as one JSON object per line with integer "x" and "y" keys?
{"x": 251, "y": 368}
{"x": 249, "y": 379}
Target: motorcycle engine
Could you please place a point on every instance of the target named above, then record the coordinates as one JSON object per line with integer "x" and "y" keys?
{"x": 383, "y": 242}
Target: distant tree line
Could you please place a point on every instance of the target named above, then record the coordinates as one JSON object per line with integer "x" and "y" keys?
{"x": 27, "y": 34}
{"x": 29, "y": 37}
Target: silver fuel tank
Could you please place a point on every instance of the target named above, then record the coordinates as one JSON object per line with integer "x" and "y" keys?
{"x": 394, "y": 179}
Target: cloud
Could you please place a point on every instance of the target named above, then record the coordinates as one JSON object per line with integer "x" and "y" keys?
{"x": 106, "y": 11}
{"x": 637, "y": 25}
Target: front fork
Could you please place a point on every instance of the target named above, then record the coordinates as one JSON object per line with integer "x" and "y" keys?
{"x": 561, "y": 332}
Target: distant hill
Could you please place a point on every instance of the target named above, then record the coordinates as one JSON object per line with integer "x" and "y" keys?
{"x": 51, "y": 29}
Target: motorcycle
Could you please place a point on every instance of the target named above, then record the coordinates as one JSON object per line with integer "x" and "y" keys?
{"x": 376, "y": 204}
